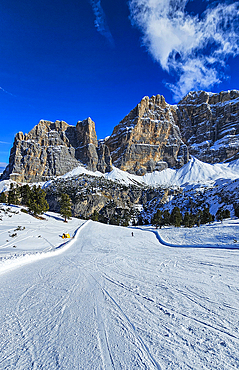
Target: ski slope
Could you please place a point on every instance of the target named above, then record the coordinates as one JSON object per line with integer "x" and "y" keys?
{"x": 117, "y": 301}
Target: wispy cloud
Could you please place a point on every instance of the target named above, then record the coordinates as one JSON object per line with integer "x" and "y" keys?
{"x": 4, "y": 142}
{"x": 3, "y": 164}
{"x": 193, "y": 48}
{"x": 100, "y": 21}
{"x": 6, "y": 92}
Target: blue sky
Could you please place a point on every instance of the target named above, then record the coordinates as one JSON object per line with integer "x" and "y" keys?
{"x": 70, "y": 60}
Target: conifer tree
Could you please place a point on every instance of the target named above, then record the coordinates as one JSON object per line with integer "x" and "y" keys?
{"x": 13, "y": 195}
{"x": 236, "y": 209}
{"x": 95, "y": 216}
{"x": 37, "y": 204}
{"x": 65, "y": 206}
{"x": 192, "y": 219}
{"x": 176, "y": 217}
{"x": 125, "y": 222}
{"x": 166, "y": 217}
{"x": 189, "y": 219}
{"x": 222, "y": 213}
{"x": 199, "y": 218}
{"x": 3, "y": 198}
{"x": 157, "y": 219}
{"x": 25, "y": 192}
{"x": 206, "y": 216}
{"x": 186, "y": 219}
{"x": 227, "y": 213}
{"x": 219, "y": 215}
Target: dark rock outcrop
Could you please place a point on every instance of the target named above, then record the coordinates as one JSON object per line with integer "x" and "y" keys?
{"x": 86, "y": 152}
{"x": 95, "y": 193}
{"x": 104, "y": 158}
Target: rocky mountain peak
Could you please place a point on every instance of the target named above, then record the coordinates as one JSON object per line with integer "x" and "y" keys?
{"x": 53, "y": 148}
{"x": 209, "y": 124}
{"x": 86, "y": 133}
{"x": 148, "y": 138}
{"x": 153, "y": 136}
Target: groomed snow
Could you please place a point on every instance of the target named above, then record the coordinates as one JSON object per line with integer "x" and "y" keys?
{"x": 215, "y": 235}
{"x": 33, "y": 236}
{"x": 111, "y": 300}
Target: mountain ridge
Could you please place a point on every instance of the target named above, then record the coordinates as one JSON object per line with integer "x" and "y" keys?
{"x": 152, "y": 137}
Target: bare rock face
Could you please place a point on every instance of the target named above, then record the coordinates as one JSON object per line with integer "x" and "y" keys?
{"x": 209, "y": 124}
{"x": 153, "y": 136}
{"x": 86, "y": 152}
{"x": 52, "y": 149}
{"x": 148, "y": 138}
{"x": 104, "y": 158}
{"x": 42, "y": 153}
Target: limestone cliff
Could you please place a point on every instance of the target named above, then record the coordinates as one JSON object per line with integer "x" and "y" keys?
{"x": 42, "y": 153}
{"x": 209, "y": 124}
{"x": 148, "y": 138}
{"x": 53, "y": 148}
{"x": 86, "y": 152}
{"x": 153, "y": 136}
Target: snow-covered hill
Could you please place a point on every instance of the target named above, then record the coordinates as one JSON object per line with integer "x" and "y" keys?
{"x": 116, "y": 301}
{"x": 194, "y": 172}
{"x": 24, "y": 238}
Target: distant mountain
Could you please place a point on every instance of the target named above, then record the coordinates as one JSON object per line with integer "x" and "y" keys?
{"x": 154, "y": 136}
{"x": 53, "y": 148}
{"x": 209, "y": 124}
{"x": 148, "y": 138}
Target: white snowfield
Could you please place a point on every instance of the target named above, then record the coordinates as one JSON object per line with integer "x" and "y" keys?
{"x": 111, "y": 300}
{"x": 24, "y": 239}
{"x": 194, "y": 172}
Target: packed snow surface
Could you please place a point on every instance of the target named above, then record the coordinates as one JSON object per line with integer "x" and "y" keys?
{"x": 116, "y": 301}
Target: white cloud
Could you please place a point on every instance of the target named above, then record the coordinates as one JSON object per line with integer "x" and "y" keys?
{"x": 193, "y": 47}
{"x": 100, "y": 21}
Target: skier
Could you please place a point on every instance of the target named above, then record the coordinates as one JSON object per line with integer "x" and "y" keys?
{"x": 132, "y": 233}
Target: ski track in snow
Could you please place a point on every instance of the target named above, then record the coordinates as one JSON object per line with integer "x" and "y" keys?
{"x": 113, "y": 301}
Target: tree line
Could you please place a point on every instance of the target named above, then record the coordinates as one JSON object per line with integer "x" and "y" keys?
{"x": 189, "y": 219}
{"x": 34, "y": 198}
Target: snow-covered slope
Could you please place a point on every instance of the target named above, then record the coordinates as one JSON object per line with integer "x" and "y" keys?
{"x": 117, "y": 301}
{"x": 22, "y": 236}
{"x": 194, "y": 172}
